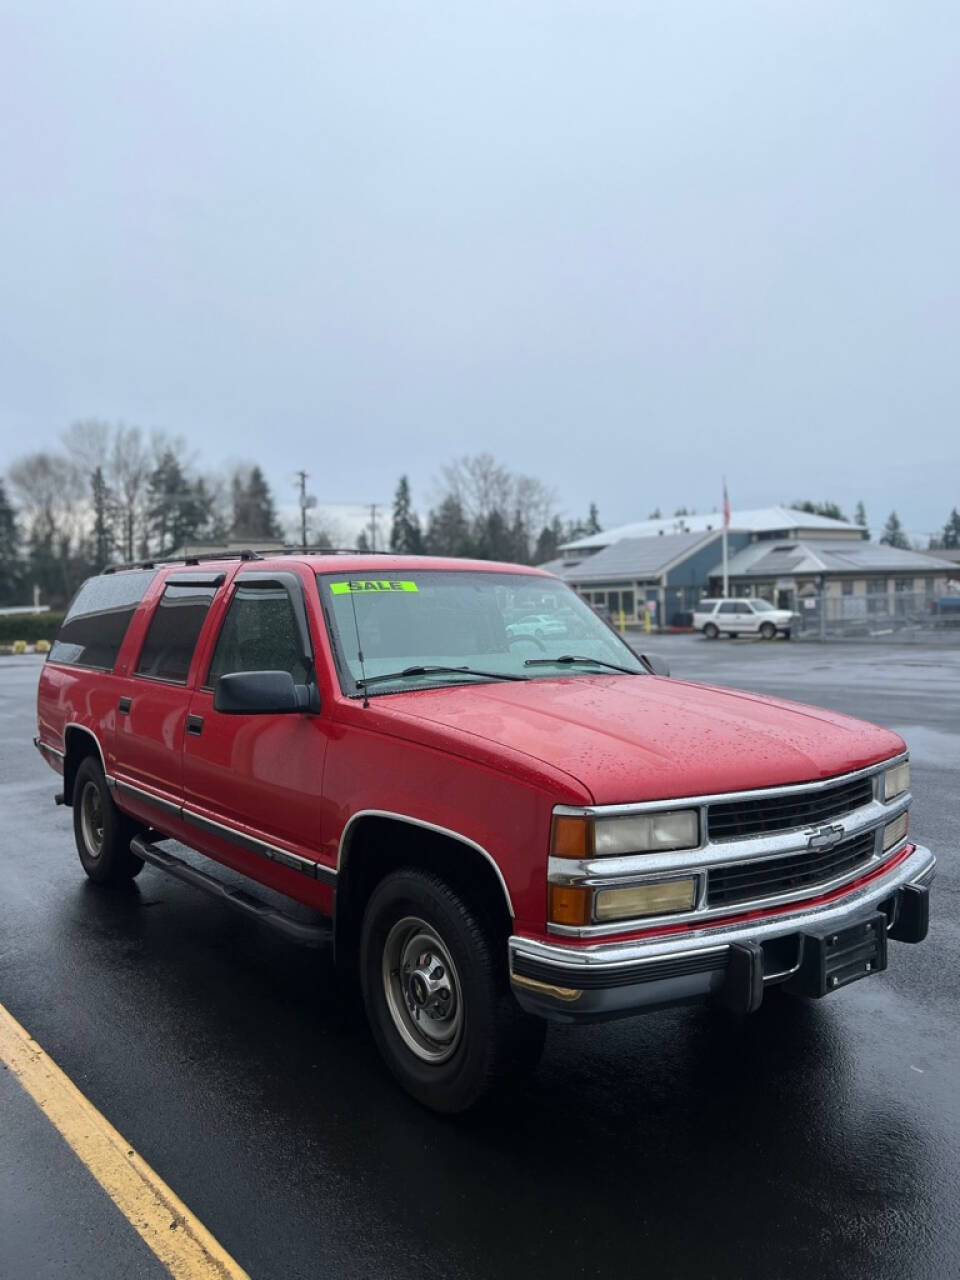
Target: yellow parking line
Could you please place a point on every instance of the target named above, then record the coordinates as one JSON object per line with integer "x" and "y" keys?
{"x": 184, "y": 1245}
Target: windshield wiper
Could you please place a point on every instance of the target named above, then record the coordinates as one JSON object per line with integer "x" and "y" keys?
{"x": 429, "y": 671}
{"x": 569, "y": 660}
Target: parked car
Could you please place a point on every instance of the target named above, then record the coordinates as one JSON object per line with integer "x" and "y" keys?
{"x": 540, "y": 625}
{"x": 742, "y": 616}
{"x": 491, "y": 838}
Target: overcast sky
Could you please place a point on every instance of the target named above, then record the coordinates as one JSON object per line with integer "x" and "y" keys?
{"x": 625, "y": 247}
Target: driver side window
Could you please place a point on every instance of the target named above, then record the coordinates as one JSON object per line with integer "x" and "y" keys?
{"x": 259, "y": 633}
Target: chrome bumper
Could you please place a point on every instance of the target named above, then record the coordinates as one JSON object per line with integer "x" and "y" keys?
{"x": 574, "y": 984}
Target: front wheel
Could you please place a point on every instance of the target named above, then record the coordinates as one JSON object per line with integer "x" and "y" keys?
{"x": 437, "y": 997}
{"x": 102, "y": 833}
{"x": 768, "y": 631}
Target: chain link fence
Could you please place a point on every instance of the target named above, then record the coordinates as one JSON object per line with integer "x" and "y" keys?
{"x": 876, "y": 615}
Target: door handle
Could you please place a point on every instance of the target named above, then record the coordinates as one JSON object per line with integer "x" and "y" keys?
{"x": 123, "y": 706}
{"x": 195, "y": 725}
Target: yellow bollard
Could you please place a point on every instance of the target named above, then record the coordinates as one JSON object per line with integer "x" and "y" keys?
{"x": 646, "y": 621}
{"x": 623, "y": 625}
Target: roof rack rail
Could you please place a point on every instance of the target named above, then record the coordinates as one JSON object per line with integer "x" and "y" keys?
{"x": 158, "y": 561}
{"x": 327, "y": 551}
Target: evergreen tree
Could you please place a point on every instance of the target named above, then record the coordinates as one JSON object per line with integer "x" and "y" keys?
{"x": 830, "y": 509}
{"x": 951, "y": 532}
{"x": 549, "y": 540}
{"x": 177, "y": 509}
{"x": 448, "y": 533}
{"x": 363, "y": 542}
{"x": 104, "y": 510}
{"x": 893, "y": 534}
{"x": 405, "y": 534}
{"x": 254, "y": 514}
{"x": 593, "y": 519}
{"x": 860, "y": 517}
{"x": 10, "y": 568}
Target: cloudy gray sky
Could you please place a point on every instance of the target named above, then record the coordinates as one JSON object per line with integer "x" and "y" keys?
{"x": 623, "y": 246}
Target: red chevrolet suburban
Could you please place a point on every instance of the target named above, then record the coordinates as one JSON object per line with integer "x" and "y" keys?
{"x": 496, "y": 828}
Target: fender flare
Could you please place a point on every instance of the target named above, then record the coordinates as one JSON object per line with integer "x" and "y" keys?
{"x": 343, "y": 849}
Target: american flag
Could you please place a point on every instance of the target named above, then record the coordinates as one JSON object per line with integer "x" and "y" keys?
{"x": 726, "y": 506}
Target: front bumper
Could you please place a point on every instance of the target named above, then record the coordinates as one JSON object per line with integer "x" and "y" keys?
{"x": 728, "y": 963}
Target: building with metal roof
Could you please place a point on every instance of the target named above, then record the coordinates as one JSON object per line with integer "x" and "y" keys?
{"x": 760, "y": 523}
{"x": 663, "y": 575}
{"x": 847, "y": 579}
{"x": 786, "y": 556}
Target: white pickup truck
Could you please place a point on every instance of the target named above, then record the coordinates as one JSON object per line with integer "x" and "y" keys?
{"x": 742, "y": 617}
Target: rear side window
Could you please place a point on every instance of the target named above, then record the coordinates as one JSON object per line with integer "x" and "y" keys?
{"x": 173, "y": 632}
{"x": 259, "y": 634}
{"x": 97, "y": 620}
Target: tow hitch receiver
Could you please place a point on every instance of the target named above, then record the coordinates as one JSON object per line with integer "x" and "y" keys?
{"x": 838, "y": 957}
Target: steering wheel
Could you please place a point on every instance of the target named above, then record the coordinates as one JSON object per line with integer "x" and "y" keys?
{"x": 529, "y": 640}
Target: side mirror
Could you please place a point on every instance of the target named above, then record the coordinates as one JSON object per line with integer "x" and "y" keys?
{"x": 250, "y": 693}
{"x": 658, "y": 666}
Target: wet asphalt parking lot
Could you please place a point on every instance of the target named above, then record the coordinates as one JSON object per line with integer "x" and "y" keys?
{"x": 811, "y": 1139}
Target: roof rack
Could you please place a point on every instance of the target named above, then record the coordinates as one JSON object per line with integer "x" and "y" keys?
{"x": 327, "y": 551}
{"x": 158, "y": 561}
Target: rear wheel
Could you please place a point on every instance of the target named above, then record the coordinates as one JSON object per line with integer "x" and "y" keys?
{"x": 101, "y": 831}
{"x": 711, "y": 631}
{"x": 437, "y": 997}
{"x": 768, "y": 631}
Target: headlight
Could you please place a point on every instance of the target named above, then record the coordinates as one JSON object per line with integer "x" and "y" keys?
{"x": 582, "y": 904}
{"x": 585, "y": 837}
{"x": 647, "y": 833}
{"x": 894, "y": 832}
{"x": 658, "y": 899}
{"x": 896, "y": 781}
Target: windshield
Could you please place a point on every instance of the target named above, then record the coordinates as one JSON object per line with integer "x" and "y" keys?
{"x": 485, "y": 626}
{"x": 762, "y": 606}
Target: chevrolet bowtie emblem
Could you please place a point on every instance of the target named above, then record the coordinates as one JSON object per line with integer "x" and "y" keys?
{"x": 824, "y": 837}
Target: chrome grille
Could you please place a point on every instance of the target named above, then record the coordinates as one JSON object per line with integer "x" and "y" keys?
{"x": 734, "y": 819}
{"x": 742, "y": 881}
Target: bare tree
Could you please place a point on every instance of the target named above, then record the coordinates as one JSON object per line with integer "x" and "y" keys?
{"x": 480, "y": 484}
{"x": 129, "y": 469}
{"x": 50, "y": 488}
{"x": 505, "y": 511}
{"x": 88, "y": 442}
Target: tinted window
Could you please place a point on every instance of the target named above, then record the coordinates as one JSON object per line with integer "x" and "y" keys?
{"x": 729, "y": 607}
{"x": 97, "y": 620}
{"x": 259, "y": 633}
{"x": 173, "y": 631}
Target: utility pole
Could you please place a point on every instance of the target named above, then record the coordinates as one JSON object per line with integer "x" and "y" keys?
{"x": 373, "y": 526}
{"x": 302, "y": 476}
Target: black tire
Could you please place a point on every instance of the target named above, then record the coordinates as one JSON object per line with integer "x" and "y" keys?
{"x": 711, "y": 631}
{"x": 102, "y": 832}
{"x": 786, "y": 634}
{"x": 768, "y": 631}
{"x": 483, "y": 1039}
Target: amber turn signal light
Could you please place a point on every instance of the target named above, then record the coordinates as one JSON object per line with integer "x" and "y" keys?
{"x": 570, "y": 904}
{"x": 571, "y": 837}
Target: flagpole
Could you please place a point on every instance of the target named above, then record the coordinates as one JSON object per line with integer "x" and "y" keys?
{"x": 726, "y": 522}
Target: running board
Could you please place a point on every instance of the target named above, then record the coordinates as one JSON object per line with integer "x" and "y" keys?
{"x": 311, "y": 935}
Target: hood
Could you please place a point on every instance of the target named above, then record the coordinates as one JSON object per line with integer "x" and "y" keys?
{"x": 632, "y": 738}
